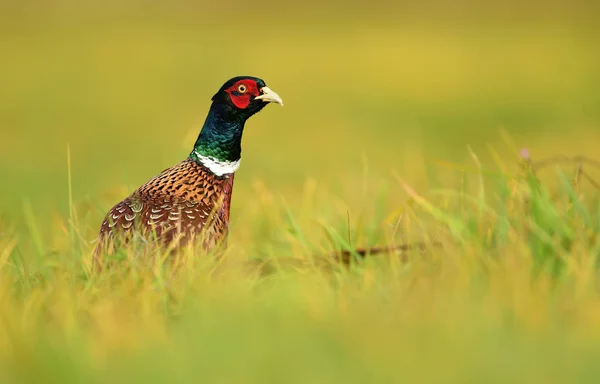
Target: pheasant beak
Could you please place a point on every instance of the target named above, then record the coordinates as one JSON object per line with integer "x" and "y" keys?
{"x": 268, "y": 96}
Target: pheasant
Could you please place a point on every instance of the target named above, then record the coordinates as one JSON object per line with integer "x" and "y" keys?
{"x": 191, "y": 200}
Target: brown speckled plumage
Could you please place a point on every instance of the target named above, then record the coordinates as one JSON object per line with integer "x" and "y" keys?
{"x": 180, "y": 201}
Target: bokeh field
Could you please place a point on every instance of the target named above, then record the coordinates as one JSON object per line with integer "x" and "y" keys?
{"x": 403, "y": 123}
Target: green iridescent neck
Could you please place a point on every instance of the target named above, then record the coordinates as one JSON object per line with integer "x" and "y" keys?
{"x": 221, "y": 136}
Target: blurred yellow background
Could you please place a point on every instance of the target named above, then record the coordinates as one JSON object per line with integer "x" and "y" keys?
{"x": 374, "y": 91}
{"x": 376, "y": 85}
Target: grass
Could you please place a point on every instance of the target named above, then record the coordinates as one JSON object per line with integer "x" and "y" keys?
{"x": 396, "y": 130}
{"x": 511, "y": 295}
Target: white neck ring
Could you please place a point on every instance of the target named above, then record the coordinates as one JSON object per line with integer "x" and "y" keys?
{"x": 218, "y": 167}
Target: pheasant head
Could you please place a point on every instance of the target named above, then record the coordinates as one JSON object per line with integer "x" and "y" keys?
{"x": 219, "y": 145}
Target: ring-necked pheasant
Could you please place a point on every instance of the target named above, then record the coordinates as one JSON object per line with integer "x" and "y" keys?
{"x": 192, "y": 199}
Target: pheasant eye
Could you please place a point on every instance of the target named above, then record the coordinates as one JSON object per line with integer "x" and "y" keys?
{"x": 242, "y": 88}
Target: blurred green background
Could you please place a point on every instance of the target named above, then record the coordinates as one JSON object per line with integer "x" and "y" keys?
{"x": 372, "y": 90}
{"x": 373, "y": 85}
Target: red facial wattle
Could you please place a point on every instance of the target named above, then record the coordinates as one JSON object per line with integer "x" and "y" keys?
{"x": 242, "y": 99}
